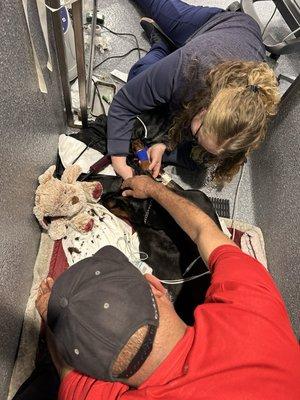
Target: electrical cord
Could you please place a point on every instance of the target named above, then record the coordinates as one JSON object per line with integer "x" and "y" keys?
{"x": 125, "y": 34}
{"x": 290, "y": 34}
{"x": 118, "y": 56}
{"x": 287, "y": 36}
{"x": 270, "y": 19}
{"x": 93, "y": 141}
{"x": 99, "y": 97}
{"x": 88, "y": 146}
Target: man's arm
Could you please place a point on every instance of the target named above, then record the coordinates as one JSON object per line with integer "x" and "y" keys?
{"x": 199, "y": 226}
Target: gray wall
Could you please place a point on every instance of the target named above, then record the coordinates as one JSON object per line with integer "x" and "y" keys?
{"x": 30, "y": 123}
{"x": 276, "y": 193}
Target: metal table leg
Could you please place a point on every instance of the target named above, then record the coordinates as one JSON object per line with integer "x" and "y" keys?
{"x": 92, "y": 52}
{"x": 80, "y": 59}
{"x": 61, "y": 56}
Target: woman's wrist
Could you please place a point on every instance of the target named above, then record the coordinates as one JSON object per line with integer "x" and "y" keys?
{"x": 120, "y": 160}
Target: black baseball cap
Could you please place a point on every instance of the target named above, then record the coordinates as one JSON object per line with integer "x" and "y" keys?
{"x": 95, "y": 307}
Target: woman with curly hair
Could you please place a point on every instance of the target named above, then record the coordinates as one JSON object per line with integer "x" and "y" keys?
{"x": 208, "y": 66}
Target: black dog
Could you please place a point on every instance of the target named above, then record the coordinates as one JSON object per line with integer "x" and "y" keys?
{"x": 170, "y": 250}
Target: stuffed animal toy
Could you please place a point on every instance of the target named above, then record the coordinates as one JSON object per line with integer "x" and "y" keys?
{"x": 60, "y": 204}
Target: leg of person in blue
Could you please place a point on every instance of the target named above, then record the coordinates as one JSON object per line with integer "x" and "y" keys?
{"x": 178, "y": 20}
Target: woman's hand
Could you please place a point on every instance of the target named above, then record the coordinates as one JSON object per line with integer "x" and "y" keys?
{"x": 155, "y": 154}
{"x": 121, "y": 168}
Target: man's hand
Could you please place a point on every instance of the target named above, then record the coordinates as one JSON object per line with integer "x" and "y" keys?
{"x": 140, "y": 187}
{"x": 121, "y": 168}
{"x": 43, "y": 296}
{"x": 155, "y": 154}
{"x": 199, "y": 226}
{"x": 41, "y": 304}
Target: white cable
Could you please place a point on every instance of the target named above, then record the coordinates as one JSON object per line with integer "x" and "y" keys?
{"x": 145, "y": 128}
{"x": 191, "y": 265}
{"x": 235, "y": 201}
{"x": 143, "y": 256}
{"x": 287, "y": 36}
{"x": 183, "y": 280}
{"x": 290, "y": 34}
{"x": 138, "y": 257}
{"x": 64, "y": 3}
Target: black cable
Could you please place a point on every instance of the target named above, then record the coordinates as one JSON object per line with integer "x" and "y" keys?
{"x": 102, "y": 62}
{"x": 119, "y": 56}
{"x": 99, "y": 96}
{"x": 267, "y": 24}
{"x": 88, "y": 146}
{"x": 80, "y": 154}
{"x": 125, "y": 34}
{"x": 94, "y": 141}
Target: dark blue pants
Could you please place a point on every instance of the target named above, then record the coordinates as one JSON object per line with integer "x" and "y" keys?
{"x": 177, "y": 19}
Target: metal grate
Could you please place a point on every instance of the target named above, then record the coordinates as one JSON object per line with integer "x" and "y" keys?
{"x": 221, "y": 206}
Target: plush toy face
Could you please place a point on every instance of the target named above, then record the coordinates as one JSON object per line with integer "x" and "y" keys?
{"x": 58, "y": 199}
{"x": 60, "y": 204}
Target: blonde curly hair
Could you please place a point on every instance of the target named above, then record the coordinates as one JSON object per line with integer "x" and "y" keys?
{"x": 240, "y": 97}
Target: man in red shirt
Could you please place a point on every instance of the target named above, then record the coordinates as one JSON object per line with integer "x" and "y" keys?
{"x": 240, "y": 347}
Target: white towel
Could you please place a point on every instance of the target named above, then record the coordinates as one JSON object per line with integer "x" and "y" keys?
{"x": 69, "y": 149}
{"x": 108, "y": 230}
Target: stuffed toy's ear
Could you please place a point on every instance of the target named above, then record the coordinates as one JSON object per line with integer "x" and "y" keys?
{"x": 46, "y": 176}
{"x": 71, "y": 174}
{"x": 39, "y": 213}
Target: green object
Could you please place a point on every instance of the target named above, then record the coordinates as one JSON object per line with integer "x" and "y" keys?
{"x": 106, "y": 99}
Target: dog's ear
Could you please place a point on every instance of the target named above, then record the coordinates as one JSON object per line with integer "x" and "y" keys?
{"x": 71, "y": 174}
{"x": 40, "y": 214}
{"x": 46, "y": 176}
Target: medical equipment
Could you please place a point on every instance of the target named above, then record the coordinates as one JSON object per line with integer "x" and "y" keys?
{"x": 141, "y": 152}
{"x": 68, "y": 32}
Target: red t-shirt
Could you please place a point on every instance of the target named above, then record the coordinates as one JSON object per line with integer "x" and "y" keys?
{"x": 241, "y": 347}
